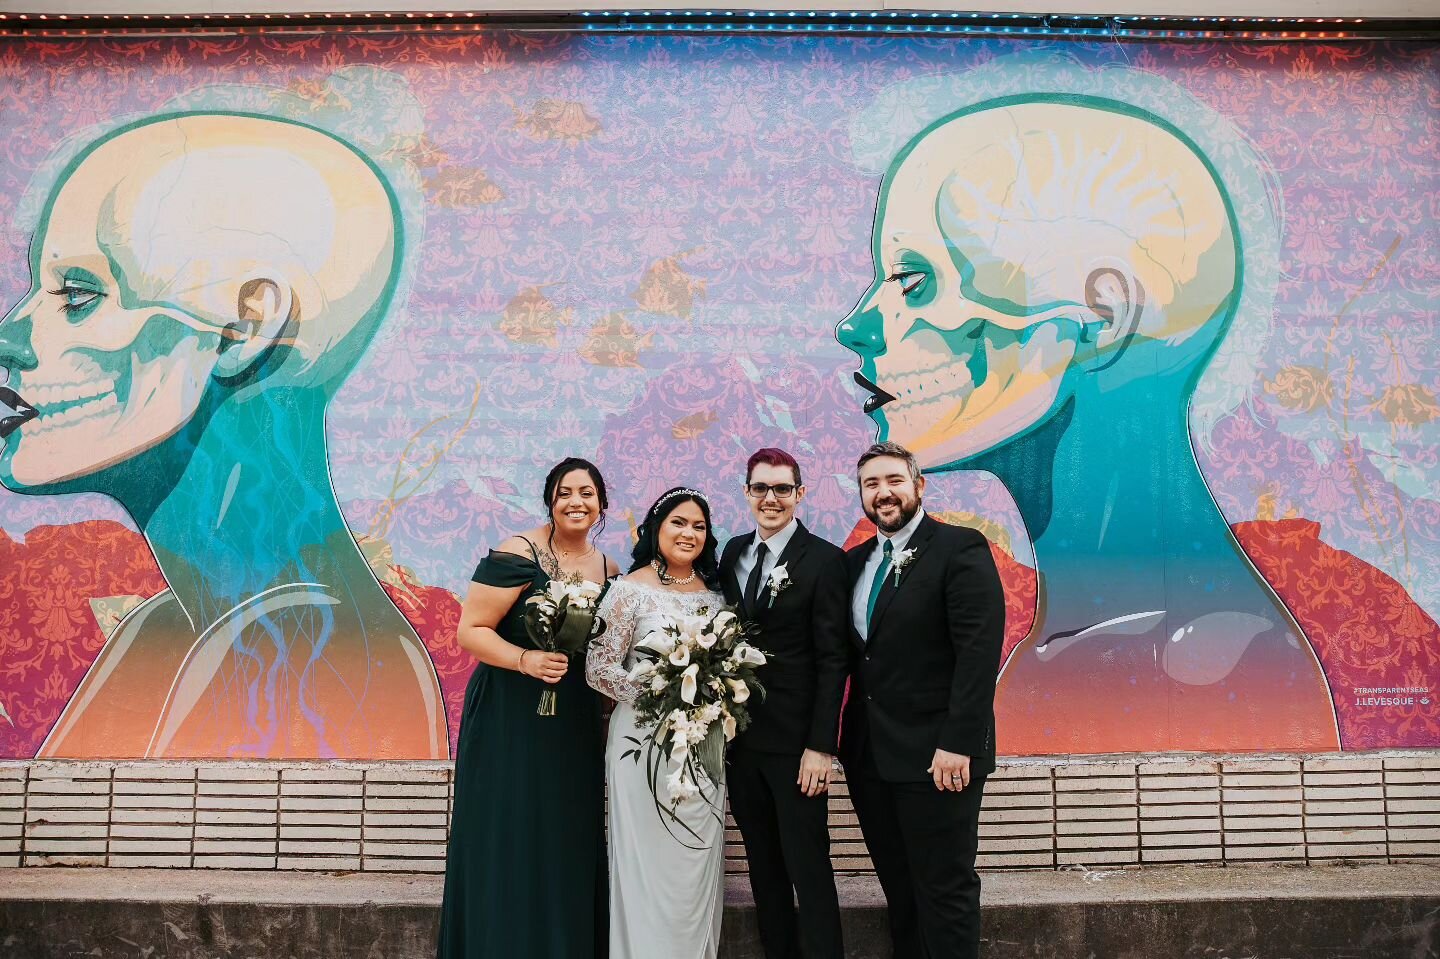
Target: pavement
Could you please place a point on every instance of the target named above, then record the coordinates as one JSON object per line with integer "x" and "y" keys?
{"x": 1342, "y": 911}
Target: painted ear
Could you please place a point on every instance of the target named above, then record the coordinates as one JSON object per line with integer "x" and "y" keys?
{"x": 1115, "y": 296}
{"x": 263, "y": 308}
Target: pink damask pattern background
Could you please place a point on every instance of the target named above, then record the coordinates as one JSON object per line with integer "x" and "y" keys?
{"x": 637, "y": 248}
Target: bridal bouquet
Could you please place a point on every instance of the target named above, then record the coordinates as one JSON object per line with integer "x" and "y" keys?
{"x": 697, "y": 673}
{"x": 559, "y": 619}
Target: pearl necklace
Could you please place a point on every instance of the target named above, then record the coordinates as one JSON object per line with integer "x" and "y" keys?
{"x": 667, "y": 580}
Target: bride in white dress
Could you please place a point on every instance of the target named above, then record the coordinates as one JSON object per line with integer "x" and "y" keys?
{"x": 666, "y": 880}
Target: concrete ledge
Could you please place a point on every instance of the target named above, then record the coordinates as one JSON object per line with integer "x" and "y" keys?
{"x": 1266, "y": 912}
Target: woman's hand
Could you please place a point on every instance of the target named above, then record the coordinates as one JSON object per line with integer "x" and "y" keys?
{"x": 547, "y": 667}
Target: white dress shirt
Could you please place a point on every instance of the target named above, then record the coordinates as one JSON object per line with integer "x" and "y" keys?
{"x": 774, "y": 546}
{"x": 860, "y": 601}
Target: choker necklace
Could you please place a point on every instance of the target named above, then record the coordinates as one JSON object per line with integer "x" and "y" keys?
{"x": 667, "y": 580}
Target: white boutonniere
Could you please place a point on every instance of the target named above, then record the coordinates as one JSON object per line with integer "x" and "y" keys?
{"x": 779, "y": 581}
{"x": 902, "y": 559}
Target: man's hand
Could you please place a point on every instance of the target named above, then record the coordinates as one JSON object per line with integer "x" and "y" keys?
{"x": 951, "y": 771}
{"x": 815, "y": 769}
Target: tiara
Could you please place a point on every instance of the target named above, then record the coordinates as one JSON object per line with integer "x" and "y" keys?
{"x": 683, "y": 491}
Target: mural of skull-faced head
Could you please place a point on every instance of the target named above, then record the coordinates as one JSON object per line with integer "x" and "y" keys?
{"x": 158, "y": 295}
{"x": 1024, "y": 245}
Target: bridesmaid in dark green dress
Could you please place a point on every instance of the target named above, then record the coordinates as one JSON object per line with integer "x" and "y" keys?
{"x": 525, "y": 876}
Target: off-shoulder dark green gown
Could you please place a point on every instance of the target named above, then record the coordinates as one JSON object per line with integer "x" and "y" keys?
{"x": 525, "y": 876}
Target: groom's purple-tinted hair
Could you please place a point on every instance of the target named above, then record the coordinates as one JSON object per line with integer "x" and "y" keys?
{"x": 771, "y": 456}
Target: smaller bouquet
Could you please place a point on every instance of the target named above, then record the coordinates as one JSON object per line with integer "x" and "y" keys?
{"x": 697, "y": 672}
{"x": 560, "y": 619}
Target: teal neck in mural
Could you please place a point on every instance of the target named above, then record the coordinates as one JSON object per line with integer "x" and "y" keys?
{"x": 1120, "y": 516}
{"x": 252, "y": 509}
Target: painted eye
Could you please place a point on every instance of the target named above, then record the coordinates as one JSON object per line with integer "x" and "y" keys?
{"x": 77, "y": 299}
{"x": 910, "y": 281}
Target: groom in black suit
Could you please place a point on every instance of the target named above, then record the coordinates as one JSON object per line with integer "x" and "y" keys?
{"x": 792, "y": 584}
{"x": 919, "y": 730}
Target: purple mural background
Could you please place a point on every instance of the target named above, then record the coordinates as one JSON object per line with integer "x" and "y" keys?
{"x": 639, "y": 247}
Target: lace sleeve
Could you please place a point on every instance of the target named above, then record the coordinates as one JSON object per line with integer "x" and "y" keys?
{"x": 605, "y": 659}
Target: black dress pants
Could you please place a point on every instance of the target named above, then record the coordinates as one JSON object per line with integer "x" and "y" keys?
{"x": 922, "y": 842}
{"x": 787, "y": 844}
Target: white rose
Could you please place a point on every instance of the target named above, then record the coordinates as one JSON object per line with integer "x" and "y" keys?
{"x": 640, "y": 670}
{"x": 657, "y": 684}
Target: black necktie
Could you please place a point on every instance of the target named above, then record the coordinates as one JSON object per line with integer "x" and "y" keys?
{"x": 752, "y": 585}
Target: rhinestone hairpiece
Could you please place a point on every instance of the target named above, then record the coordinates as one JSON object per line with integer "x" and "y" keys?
{"x": 679, "y": 492}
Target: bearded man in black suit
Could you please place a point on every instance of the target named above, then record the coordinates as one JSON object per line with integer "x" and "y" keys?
{"x": 918, "y": 738}
{"x": 792, "y": 585}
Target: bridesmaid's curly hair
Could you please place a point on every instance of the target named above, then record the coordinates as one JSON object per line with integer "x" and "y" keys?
{"x": 647, "y": 543}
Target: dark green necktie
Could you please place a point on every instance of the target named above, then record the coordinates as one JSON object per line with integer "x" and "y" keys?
{"x": 875, "y": 586}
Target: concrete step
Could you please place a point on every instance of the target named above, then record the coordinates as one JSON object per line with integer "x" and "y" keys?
{"x": 1380, "y": 911}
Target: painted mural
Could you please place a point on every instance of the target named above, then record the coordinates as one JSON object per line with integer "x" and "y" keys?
{"x": 295, "y": 326}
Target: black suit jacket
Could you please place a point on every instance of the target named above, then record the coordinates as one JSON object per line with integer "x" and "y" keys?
{"x": 925, "y": 678}
{"x": 806, "y": 632}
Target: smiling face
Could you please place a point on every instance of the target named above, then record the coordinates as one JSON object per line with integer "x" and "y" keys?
{"x": 108, "y": 377}
{"x": 681, "y": 535}
{"x": 576, "y": 507}
{"x": 181, "y": 256}
{"x": 889, "y": 495}
{"x": 772, "y": 511}
{"x": 1020, "y": 248}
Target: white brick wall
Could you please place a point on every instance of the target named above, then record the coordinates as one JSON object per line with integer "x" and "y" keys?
{"x": 1039, "y": 813}
{"x": 1412, "y": 806}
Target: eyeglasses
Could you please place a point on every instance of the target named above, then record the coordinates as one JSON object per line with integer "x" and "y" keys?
{"x": 762, "y": 490}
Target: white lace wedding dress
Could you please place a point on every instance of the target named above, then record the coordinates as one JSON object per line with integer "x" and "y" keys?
{"x": 665, "y": 898}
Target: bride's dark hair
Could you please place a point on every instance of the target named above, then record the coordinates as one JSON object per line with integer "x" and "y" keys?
{"x": 647, "y": 544}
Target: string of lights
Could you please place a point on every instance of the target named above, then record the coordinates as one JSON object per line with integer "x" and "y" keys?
{"x": 861, "y": 22}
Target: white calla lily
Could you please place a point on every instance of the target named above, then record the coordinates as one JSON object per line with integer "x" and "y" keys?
{"x": 680, "y": 655}
{"x": 659, "y": 641}
{"x": 688, "y": 682}
{"x": 746, "y": 653}
{"x": 739, "y": 691}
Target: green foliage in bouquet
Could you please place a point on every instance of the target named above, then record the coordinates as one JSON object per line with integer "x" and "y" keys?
{"x": 560, "y": 619}
{"x": 696, "y": 674}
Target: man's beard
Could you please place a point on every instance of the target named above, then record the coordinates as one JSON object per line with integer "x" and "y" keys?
{"x": 908, "y": 509}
